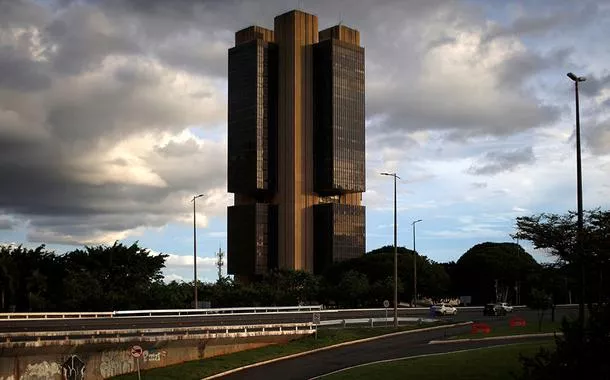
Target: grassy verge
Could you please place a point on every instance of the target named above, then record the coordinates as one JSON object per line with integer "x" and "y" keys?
{"x": 530, "y": 328}
{"x": 498, "y": 363}
{"x": 209, "y": 366}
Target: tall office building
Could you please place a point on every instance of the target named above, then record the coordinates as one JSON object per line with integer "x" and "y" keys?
{"x": 296, "y": 159}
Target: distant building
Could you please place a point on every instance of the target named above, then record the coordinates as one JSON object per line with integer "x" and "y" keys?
{"x": 296, "y": 157}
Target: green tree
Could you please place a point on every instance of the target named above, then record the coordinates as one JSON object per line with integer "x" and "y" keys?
{"x": 35, "y": 278}
{"x": 556, "y": 234}
{"x": 540, "y": 301}
{"x": 353, "y": 289}
{"x": 122, "y": 276}
{"x": 578, "y": 353}
{"x": 490, "y": 270}
{"x": 8, "y": 278}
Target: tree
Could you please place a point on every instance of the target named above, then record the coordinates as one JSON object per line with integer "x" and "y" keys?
{"x": 117, "y": 276}
{"x": 353, "y": 288}
{"x": 556, "y": 234}
{"x": 378, "y": 265}
{"x": 539, "y": 301}
{"x": 578, "y": 353}
{"x": 31, "y": 278}
{"x": 489, "y": 271}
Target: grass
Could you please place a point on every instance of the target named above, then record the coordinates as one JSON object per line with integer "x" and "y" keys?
{"x": 529, "y": 328}
{"x": 209, "y": 366}
{"x": 498, "y": 363}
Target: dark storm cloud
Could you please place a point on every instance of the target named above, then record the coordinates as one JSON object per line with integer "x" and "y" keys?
{"x": 550, "y": 17}
{"x": 496, "y": 162}
{"x": 20, "y": 73}
{"x": 597, "y": 137}
{"x": 85, "y": 36}
{"x": 7, "y": 223}
{"x": 73, "y": 86}
{"x": 516, "y": 70}
{"x": 99, "y": 73}
{"x": 594, "y": 85}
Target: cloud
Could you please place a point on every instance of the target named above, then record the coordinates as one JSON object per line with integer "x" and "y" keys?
{"x": 7, "y": 223}
{"x": 113, "y": 114}
{"x": 497, "y": 162}
{"x": 598, "y": 138}
{"x": 595, "y": 85}
{"x": 534, "y": 22}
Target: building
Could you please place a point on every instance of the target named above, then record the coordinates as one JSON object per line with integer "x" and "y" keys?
{"x": 296, "y": 149}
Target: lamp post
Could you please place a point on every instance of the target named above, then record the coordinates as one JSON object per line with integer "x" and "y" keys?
{"x": 195, "y": 245}
{"x": 581, "y": 304}
{"x": 395, "y": 254}
{"x": 414, "y": 265}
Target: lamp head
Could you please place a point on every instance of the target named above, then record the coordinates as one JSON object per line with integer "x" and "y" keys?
{"x": 576, "y": 78}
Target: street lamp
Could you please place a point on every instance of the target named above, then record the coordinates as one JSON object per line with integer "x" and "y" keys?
{"x": 195, "y": 245}
{"x": 581, "y": 304}
{"x": 414, "y": 265}
{"x": 395, "y": 254}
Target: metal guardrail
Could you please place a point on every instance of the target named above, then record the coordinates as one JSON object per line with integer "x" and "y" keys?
{"x": 162, "y": 313}
{"x": 37, "y": 338}
{"x": 60, "y": 315}
{"x": 231, "y": 310}
{"x": 219, "y": 311}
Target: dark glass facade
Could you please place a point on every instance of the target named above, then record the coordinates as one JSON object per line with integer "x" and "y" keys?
{"x": 339, "y": 117}
{"x": 253, "y": 228}
{"x": 252, "y": 117}
{"x": 293, "y": 97}
{"x": 339, "y": 233}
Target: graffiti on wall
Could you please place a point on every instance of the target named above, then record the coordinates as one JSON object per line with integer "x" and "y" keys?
{"x": 153, "y": 355}
{"x": 43, "y": 370}
{"x": 73, "y": 368}
{"x": 116, "y": 363}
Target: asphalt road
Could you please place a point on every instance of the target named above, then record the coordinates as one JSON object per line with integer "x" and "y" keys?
{"x": 324, "y": 362}
{"x": 244, "y": 319}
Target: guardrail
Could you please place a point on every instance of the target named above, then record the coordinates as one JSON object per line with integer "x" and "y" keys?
{"x": 231, "y": 310}
{"x": 219, "y": 311}
{"x": 106, "y": 314}
{"x": 37, "y": 339}
{"x": 163, "y": 312}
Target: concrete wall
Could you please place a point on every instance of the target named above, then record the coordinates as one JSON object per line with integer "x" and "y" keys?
{"x": 101, "y": 361}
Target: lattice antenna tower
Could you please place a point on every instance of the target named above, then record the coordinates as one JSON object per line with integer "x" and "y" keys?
{"x": 220, "y": 262}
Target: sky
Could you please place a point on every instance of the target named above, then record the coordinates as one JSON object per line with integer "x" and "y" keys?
{"x": 113, "y": 114}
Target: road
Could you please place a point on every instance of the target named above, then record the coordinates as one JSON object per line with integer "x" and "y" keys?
{"x": 243, "y": 319}
{"x": 324, "y": 362}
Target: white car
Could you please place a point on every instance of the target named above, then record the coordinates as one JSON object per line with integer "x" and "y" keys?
{"x": 505, "y": 306}
{"x": 443, "y": 309}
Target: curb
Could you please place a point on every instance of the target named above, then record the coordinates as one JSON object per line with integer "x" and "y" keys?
{"x": 332, "y": 347}
{"x": 522, "y": 336}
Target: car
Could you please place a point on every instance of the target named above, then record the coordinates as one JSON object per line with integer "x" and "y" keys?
{"x": 505, "y": 306}
{"x": 494, "y": 309}
{"x": 443, "y": 309}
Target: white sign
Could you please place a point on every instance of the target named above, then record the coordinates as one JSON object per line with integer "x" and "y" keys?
{"x": 136, "y": 351}
{"x": 316, "y": 318}
{"x": 386, "y": 303}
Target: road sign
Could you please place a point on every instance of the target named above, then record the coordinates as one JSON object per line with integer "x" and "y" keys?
{"x": 386, "y": 303}
{"x": 316, "y": 318}
{"x": 136, "y": 351}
